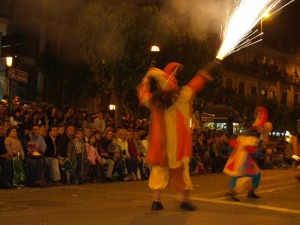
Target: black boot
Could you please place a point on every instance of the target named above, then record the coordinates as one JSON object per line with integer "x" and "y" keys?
{"x": 187, "y": 206}
{"x": 156, "y": 206}
{"x": 231, "y": 196}
{"x": 251, "y": 194}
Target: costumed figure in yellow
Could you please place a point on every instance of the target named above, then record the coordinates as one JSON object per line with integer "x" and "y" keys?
{"x": 170, "y": 145}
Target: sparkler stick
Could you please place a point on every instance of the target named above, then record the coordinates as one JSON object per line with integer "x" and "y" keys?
{"x": 237, "y": 33}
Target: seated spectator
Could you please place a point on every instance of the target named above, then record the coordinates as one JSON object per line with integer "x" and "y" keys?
{"x": 33, "y": 161}
{"x": 96, "y": 163}
{"x": 102, "y": 151}
{"x": 13, "y": 148}
{"x": 51, "y": 155}
{"x": 141, "y": 152}
{"x": 86, "y": 134}
{"x": 131, "y": 162}
{"x": 115, "y": 151}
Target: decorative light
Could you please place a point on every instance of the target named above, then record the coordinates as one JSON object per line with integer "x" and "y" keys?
{"x": 155, "y": 48}
{"x": 112, "y": 107}
{"x": 9, "y": 61}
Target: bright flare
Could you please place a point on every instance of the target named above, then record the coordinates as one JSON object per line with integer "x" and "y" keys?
{"x": 238, "y": 32}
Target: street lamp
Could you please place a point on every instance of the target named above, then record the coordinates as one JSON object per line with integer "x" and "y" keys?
{"x": 154, "y": 50}
{"x": 9, "y": 62}
{"x": 262, "y": 18}
{"x": 112, "y": 107}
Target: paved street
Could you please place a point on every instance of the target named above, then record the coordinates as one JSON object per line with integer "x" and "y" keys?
{"x": 128, "y": 203}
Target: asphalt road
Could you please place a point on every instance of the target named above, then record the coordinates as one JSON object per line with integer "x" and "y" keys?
{"x": 128, "y": 203}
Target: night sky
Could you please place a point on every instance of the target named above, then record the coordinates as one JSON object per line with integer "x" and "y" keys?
{"x": 283, "y": 29}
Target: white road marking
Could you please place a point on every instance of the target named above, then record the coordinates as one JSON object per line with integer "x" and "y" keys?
{"x": 265, "y": 207}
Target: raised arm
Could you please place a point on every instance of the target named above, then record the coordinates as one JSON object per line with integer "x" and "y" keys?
{"x": 197, "y": 83}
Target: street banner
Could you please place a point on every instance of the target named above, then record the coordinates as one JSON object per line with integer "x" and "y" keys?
{"x": 18, "y": 75}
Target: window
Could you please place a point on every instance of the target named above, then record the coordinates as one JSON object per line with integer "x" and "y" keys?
{"x": 296, "y": 99}
{"x": 229, "y": 84}
{"x": 253, "y": 91}
{"x": 241, "y": 88}
{"x": 272, "y": 95}
{"x": 284, "y": 98}
{"x": 264, "y": 93}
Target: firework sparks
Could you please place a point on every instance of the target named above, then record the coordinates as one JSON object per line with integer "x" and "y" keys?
{"x": 246, "y": 14}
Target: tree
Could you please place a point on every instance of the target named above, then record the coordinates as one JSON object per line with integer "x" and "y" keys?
{"x": 123, "y": 41}
{"x": 65, "y": 84}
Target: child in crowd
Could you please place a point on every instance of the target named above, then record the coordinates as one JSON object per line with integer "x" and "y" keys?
{"x": 78, "y": 156}
{"x": 94, "y": 160}
{"x": 115, "y": 151}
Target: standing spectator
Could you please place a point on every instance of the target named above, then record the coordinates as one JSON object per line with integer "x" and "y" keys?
{"x": 36, "y": 118}
{"x": 99, "y": 123}
{"x": 6, "y": 164}
{"x": 62, "y": 144}
{"x": 64, "y": 141}
{"x": 16, "y": 118}
{"x": 69, "y": 117}
{"x": 88, "y": 122}
{"x": 26, "y": 118}
{"x": 78, "y": 120}
{"x": 52, "y": 117}
{"x": 78, "y": 156}
{"x": 51, "y": 154}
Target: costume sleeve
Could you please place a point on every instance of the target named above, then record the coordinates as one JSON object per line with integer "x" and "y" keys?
{"x": 143, "y": 90}
{"x": 197, "y": 83}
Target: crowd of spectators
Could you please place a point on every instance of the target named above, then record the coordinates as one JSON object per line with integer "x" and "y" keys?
{"x": 75, "y": 148}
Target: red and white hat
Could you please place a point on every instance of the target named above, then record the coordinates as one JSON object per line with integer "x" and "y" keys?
{"x": 262, "y": 119}
{"x": 166, "y": 78}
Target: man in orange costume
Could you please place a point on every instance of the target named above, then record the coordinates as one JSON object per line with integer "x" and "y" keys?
{"x": 295, "y": 140}
{"x": 170, "y": 138}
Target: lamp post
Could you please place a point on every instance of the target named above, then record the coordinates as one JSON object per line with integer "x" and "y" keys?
{"x": 154, "y": 50}
{"x": 262, "y": 18}
{"x": 9, "y": 62}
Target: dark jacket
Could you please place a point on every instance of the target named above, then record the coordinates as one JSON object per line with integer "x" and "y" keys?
{"x": 51, "y": 151}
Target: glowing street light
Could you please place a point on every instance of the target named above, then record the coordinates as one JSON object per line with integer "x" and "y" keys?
{"x": 9, "y": 61}
{"x": 112, "y": 107}
{"x": 154, "y": 50}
